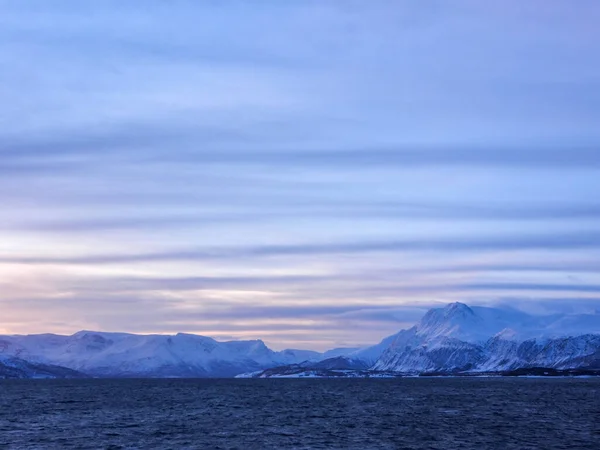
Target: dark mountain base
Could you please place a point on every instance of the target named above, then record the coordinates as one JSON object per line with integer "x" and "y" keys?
{"x": 530, "y": 371}
{"x": 15, "y": 368}
{"x": 298, "y": 371}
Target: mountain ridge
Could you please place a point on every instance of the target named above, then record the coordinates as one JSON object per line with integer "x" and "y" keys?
{"x": 458, "y": 339}
{"x": 454, "y": 338}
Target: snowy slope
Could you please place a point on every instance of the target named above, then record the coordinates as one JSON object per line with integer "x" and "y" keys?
{"x": 340, "y": 351}
{"x": 121, "y": 354}
{"x": 458, "y": 337}
{"x": 453, "y": 338}
{"x": 371, "y": 354}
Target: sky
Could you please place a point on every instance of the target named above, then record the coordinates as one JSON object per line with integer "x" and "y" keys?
{"x": 312, "y": 173}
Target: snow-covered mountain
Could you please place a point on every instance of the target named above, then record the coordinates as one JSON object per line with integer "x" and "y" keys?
{"x": 131, "y": 355}
{"x": 459, "y": 337}
{"x": 453, "y": 338}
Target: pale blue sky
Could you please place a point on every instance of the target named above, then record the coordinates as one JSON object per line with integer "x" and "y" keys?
{"x": 313, "y": 173}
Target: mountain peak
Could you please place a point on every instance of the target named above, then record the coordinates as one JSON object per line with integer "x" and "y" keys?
{"x": 448, "y": 312}
{"x": 459, "y": 308}
{"x": 455, "y": 320}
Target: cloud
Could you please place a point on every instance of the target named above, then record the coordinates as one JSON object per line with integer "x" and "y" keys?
{"x": 397, "y": 153}
{"x": 519, "y": 242}
{"x": 154, "y": 142}
{"x": 553, "y": 287}
{"x": 282, "y": 212}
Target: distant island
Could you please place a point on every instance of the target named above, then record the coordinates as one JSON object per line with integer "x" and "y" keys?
{"x": 455, "y": 340}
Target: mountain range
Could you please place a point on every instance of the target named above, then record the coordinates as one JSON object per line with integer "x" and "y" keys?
{"x": 482, "y": 339}
{"x": 453, "y": 339}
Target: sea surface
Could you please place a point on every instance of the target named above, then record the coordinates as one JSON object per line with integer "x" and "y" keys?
{"x": 409, "y": 413}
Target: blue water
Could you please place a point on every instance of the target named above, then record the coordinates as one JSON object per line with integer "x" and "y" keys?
{"x": 436, "y": 413}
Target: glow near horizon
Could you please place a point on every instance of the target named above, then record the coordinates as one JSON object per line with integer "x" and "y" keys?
{"x": 316, "y": 174}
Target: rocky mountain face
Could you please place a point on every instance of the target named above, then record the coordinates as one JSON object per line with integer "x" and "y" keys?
{"x": 20, "y": 369}
{"x": 461, "y": 338}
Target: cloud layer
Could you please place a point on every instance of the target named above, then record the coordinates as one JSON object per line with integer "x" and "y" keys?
{"x": 296, "y": 171}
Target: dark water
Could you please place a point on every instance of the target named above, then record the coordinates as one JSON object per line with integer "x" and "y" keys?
{"x": 257, "y": 414}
